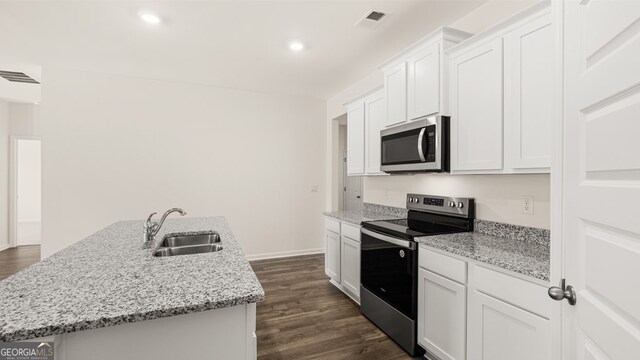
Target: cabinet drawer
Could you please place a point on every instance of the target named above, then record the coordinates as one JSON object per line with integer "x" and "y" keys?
{"x": 521, "y": 293}
{"x": 351, "y": 231}
{"x": 332, "y": 225}
{"x": 443, "y": 265}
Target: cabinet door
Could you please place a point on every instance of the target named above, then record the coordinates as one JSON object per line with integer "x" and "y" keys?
{"x": 442, "y": 313}
{"x": 476, "y": 108}
{"x": 350, "y": 277}
{"x": 500, "y": 331}
{"x": 355, "y": 139}
{"x": 375, "y": 113}
{"x": 528, "y": 95}
{"x": 423, "y": 83}
{"x": 395, "y": 86}
{"x": 332, "y": 255}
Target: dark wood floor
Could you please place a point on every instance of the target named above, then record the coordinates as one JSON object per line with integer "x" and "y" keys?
{"x": 15, "y": 259}
{"x": 305, "y": 317}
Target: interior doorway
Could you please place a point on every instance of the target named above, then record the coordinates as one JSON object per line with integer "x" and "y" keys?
{"x": 26, "y": 198}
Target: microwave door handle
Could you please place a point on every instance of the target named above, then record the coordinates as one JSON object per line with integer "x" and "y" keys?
{"x": 420, "y": 149}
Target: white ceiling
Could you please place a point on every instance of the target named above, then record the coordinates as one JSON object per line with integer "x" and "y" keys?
{"x": 234, "y": 44}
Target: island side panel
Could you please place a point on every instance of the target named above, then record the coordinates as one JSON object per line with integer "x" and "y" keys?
{"x": 227, "y": 333}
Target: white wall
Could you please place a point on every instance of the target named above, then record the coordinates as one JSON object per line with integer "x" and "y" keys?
{"x": 119, "y": 148}
{"x": 24, "y": 119}
{"x": 28, "y": 180}
{"x": 4, "y": 174}
{"x": 498, "y": 197}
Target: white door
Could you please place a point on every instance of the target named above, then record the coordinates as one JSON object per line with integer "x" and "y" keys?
{"x": 350, "y": 266}
{"x": 355, "y": 139}
{"x": 332, "y": 255}
{"x": 27, "y": 192}
{"x": 395, "y": 86}
{"x": 528, "y": 79}
{"x": 375, "y": 112}
{"x": 476, "y": 108}
{"x": 601, "y": 190}
{"x": 501, "y": 331}
{"x": 442, "y": 320}
{"x": 423, "y": 82}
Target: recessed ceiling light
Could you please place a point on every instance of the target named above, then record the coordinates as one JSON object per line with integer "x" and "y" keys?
{"x": 296, "y": 46}
{"x": 150, "y": 17}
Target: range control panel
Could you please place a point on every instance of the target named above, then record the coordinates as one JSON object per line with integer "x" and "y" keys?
{"x": 463, "y": 207}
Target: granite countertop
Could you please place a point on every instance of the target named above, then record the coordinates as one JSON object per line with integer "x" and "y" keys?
{"x": 369, "y": 212}
{"x": 514, "y": 248}
{"x": 107, "y": 279}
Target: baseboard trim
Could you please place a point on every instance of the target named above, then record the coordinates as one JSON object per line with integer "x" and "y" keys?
{"x": 4, "y": 247}
{"x": 283, "y": 254}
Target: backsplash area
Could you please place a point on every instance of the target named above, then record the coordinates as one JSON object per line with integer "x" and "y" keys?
{"x": 498, "y": 197}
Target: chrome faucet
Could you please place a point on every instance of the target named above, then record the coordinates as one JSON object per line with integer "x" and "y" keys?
{"x": 151, "y": 228}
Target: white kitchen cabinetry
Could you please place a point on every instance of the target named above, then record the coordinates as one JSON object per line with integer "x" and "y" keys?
{"x": 508, "y": 70}
{"x": 423, "y": 82}
{"x": 355, "y": 138}
{"x": 414, "y": 83}
{"x": 476, "y": 108}
{"x": 528, "y": 80}
{"x": 342, "y": 256}
{"x": 395, "y": 87}
{"x": 375, "y": 117}
{"x": 441, "y": 315}
{"x": 469, "y": 311}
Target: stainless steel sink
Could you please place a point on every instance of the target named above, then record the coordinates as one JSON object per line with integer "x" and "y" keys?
{"x": 187, "y": 250}
{"x": 190, "y": 240}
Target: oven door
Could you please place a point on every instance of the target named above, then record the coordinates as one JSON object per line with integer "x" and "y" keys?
{"x": 416, "y": 146}
{"x": 389, "y": 270}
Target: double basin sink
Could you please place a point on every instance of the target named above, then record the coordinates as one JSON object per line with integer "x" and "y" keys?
{"x": 188, "y": 244}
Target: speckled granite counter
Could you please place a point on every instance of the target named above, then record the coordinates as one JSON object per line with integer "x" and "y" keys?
{"x": 369, "y": 212}
{"x": 516, "y": 248}
{"x": 107, "y": 279}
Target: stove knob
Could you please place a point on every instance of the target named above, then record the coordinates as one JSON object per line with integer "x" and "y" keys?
{"x": 452, "y": 204}
{"x": 415, "y": 200}
{"x": 460, "y": 205}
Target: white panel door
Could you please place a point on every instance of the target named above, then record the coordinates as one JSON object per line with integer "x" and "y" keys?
{"x": 423, "y": 83}
{"x": 528, "y": 79}
{"x": 395, "y": 87}
{"x": 375, "y": 111}
{"x": 355, "y": 139}
{"x": 601, "y": 186}
{"x": 476, "y": 108}
{"x": 350, "y": 268}
{"x": 332, "y": 255}
{"x": 442, "y": 320}
{"x": 500, "y": 331}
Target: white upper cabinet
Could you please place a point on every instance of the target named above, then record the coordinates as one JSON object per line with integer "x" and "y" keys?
{"x": 476, "y": 108}
{"x": 355, "y": 139}
{"x": 395, "y": 86}
{"x": 528, "y": 81}
{"x": 500, "y": 96}
{"x": 375, "y": 115}
{"x": 423, "y": 82}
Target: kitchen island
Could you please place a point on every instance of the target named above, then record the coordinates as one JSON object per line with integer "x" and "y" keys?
{"x": 106, "y": 297}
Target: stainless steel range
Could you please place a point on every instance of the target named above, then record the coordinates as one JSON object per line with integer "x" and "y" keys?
{"x": 389, "y": 262}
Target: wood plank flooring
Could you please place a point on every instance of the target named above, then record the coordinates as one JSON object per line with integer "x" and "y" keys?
{"x": 305, "y": 317}
{"x": 15, "y": 259}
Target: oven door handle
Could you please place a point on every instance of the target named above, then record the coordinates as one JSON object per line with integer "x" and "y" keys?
{"x": 404, "y": 243}
{"x": 420, "y": 149}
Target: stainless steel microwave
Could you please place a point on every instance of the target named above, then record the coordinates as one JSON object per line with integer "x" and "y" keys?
{"x": 418, "y": 146}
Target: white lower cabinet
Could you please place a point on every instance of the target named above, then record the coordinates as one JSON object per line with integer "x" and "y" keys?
{"x": 342, "y": 256}
{"x": 500, "y": 331}
{"x": 495, "y": 316}
{"x": 350, "y": 267}
{"x": 441, "y": 315}
{"x": 332, "y": 255}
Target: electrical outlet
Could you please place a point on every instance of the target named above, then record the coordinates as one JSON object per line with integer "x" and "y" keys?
{"x": 527, "y": 205}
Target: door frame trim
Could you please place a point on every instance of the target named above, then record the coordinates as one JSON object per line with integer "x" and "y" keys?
{"x": 13, "y": 180}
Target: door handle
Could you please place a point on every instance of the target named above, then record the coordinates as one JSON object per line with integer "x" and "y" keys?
{"x": 563, "y": 292}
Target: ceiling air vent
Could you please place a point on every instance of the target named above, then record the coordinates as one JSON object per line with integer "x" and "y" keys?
{"x": 372, "y": 19}
{"x": 17, "y": 77}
